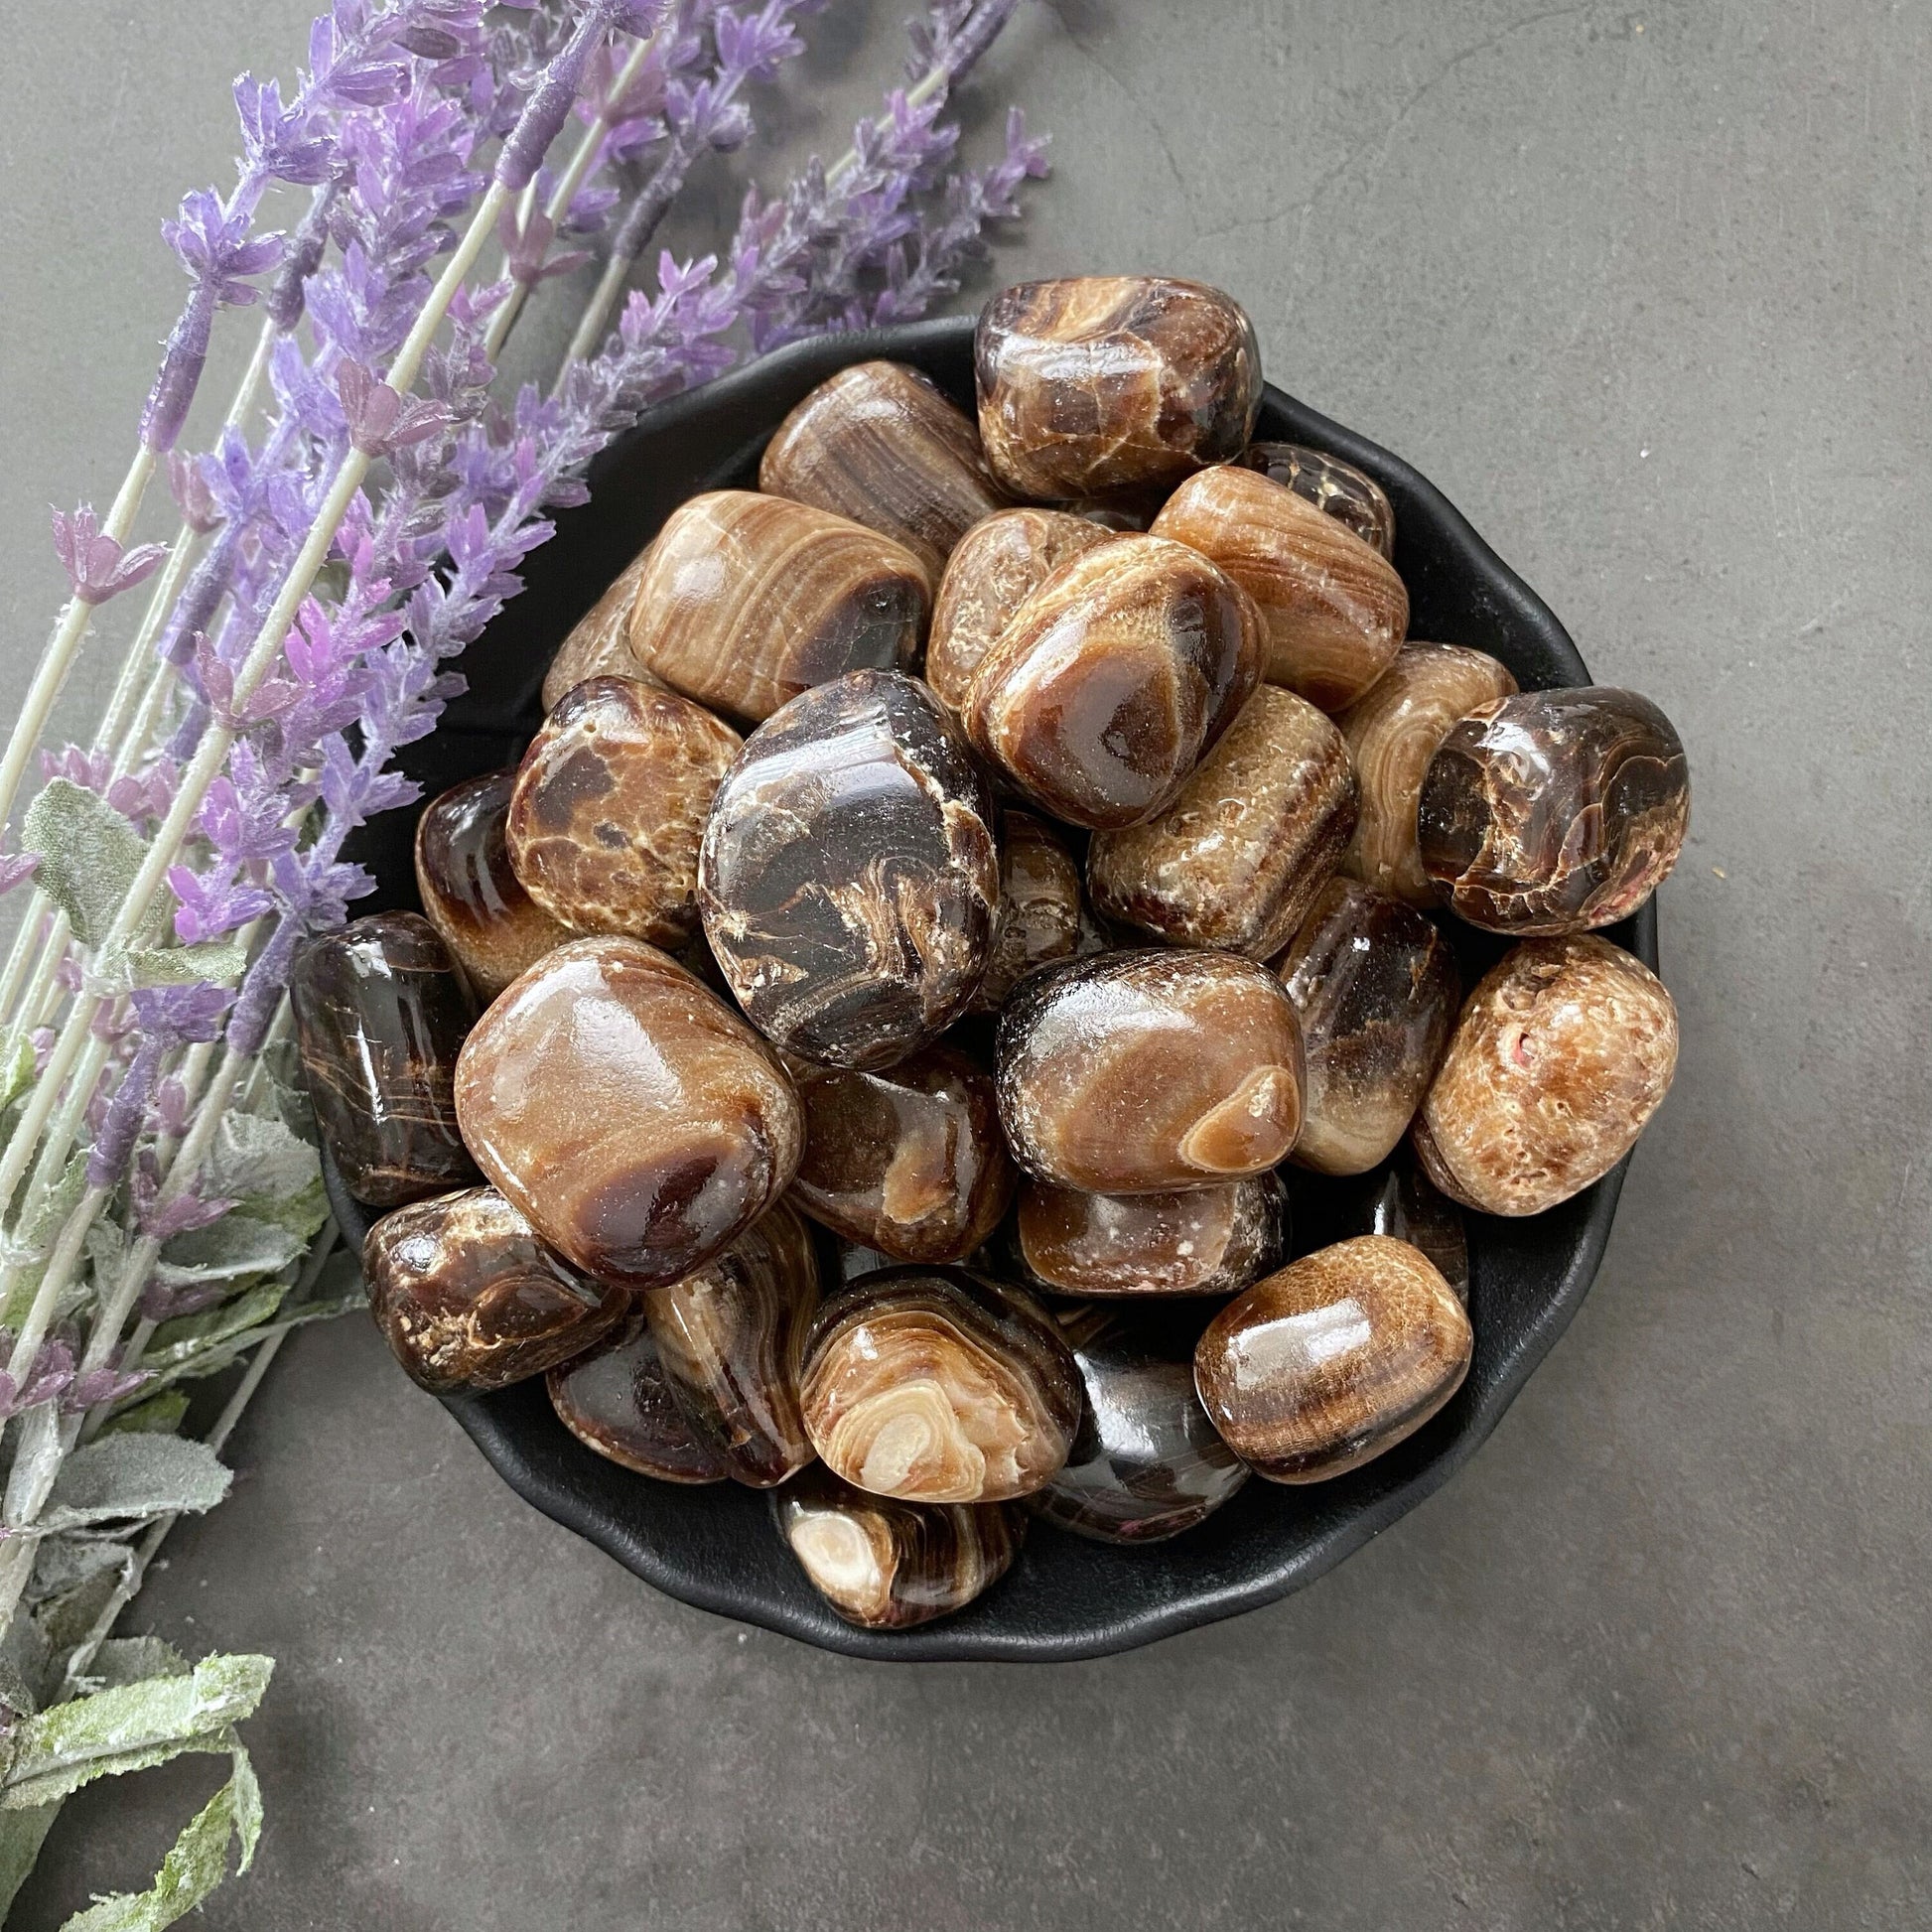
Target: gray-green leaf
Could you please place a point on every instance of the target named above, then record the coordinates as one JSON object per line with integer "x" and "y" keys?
{"x": 88, "y": 854}
{"x": 134, "y": 1660}
{"x": 186, "y": 1335}
{"x": 235, "y": 1248}
{"x": 154, "y": 1414}
{"x": 117, "y": 1476}
{"x": 131, "y": 1728}
{"x": 197, "y": 1864}
{"x": 16, "y": 1068}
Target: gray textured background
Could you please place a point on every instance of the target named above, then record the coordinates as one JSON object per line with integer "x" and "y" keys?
{"x": 1644, "y": 289}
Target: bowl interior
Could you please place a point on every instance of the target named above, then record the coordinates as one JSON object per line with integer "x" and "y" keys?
{"x": 716, "y": 1546}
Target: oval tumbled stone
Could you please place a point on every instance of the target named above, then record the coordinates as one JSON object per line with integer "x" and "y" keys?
{"x": 615, "y": 1399}
{"x": 636, "y": 1121}
{"x": 849, "y": 877}
{"x": 1336, "y": 489}
{"x": 1323, "y": 1366}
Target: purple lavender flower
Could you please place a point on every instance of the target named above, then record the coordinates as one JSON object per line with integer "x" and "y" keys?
{"x": 97, "y": 567}
{"x": 15, "y": 868}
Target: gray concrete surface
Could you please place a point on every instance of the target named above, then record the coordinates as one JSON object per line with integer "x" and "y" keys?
{"x": 1644, "y": 288}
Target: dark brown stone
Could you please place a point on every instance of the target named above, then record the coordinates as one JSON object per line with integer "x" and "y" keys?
{"x": 1352, "y": 497}
{"x": 599, "y": 644}
{"x": 1040, "y": 907}
{"x": 617, "y": 1401}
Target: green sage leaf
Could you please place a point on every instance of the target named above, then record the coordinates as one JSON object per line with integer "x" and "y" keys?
{"x": 89, "y": 856}
{"x": 134, "y": 1660}
{"x": 153, "y": 1415}
{"x": 188, "y": 1335}
{"x": 16, "y": 1068}
{"x": 237, "y": 1248}
{"x": 116, "y": 1476}
{"x": 123, "y": 968}
{"x": 21, "y": 1834}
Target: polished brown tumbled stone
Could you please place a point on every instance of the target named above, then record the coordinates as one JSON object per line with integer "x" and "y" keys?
{"x": 1397, "y": 1200}
{"x": 1141, "y": 1072}
{"x": 849, "y": 877}
{"x": 1376, "y": 987}
{"x": 1336, "y": 489}
{"x": 609, "y": 808}
{"x": 1391, "y": 735}
{"x": 731, "y": 1339}
{"x": 1205, "y": 1241}
{"x": 1147, "y": 1463}
{"x": 1554, "y": 811}
{"x": 1237, "y": 858}
{"x": 1562, "y": 1055}
{"x": 617, "y": 1401}
{"x": 638, "y": 1123}
{"x": 469, "y": 1298}
{"x": 1113, "y": 679}
{"x": 889, "y": 1565}
{"x": 908, "y": 1160}
{"x": 882, "y": 444}
{"x": 380, "y": 1014}
{"x": 994, "y": 568}
{"x": 471, "y": 897}
{"x": 599, "y": 644}
{"x": 1323, "y": 1366}
{"x": 1040, "y": 907}
{"x": 745, "y": 601}
{"x": 1334, "y": 609}
{"x": 937, "y": 1386}
{"x": 1111, "y": 382}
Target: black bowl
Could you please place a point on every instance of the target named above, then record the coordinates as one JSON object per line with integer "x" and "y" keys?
{"x": 716, "y": 1546}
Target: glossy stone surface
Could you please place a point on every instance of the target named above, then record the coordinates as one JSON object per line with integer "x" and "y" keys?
{"x": 638, "y": 1121}
{"x": 1147, "y": 1463}
{"x": 881, "y": 443}
{"x": 730, "y": 1340}
{"x": 599, "y": 645}
{"x": 937, "y": 1386}
{"x": 1336, "y": 489}
{"x": 1040, "y": 907}
{"x": 1236, "y": 859}
{"x": 994, "y": 568}
{"x": 1321, "y": 1367}
{"x": 610, "y": 807}
{"x": 1554, "y": 811}
{"x": 1391, "y": 735}
{"x": 491, "y": 924}
{"x": 1107, "y": 382}
{"x": 1113, "y": 679}
{"x": 617, "y": 1401}
{"x": 380, "y": 1014}
{"x": 1376, "y": 987}
{"x": 469, "y": 1298}
{"x": 908, "y": 1160}
{"x": 745, "y": 600}
{"x": 849, "y": 877}
{"x": 1397, "y": 1200}
{"x": 1334, "y": 609}
{"x": 1561, "y": 1055}
{"x": 1141, "y": 1072}
{"x": 1203, "y": 1241}
{"x": 887, "y": 1566}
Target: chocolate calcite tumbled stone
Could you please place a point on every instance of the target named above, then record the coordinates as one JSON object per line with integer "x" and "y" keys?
{"x": 994, "y": 567}
{"x": 908, "y": 1160}
{"x": 1554, "y": 811}
{"x": 1336, "y": 489}
{"x": 610, "y": 807}
{"x": 1391, "y": 735}
{"x": 730, "y": 1341}
{"x": 1101, "y": 383}
{"x": 849, "y": 877}
{"x": 471, "y": 897}
{"x": 380, "y": 1014}
{"x": 1205, "y": 1241}
{"x": 881, "y": 443}
{"x": 745, "y": 601}
{"x": 1040, "y": 907}
{"x": 1147, "y": 1463}
{"x": 1376, "y": 987}
{"x": 617, "y": 1401}
{"x": 599, "y": 645}
{"x": 1322, "y": 1368}
{"x": 638, "y": 1123}
{"x": 937, "y": 1386}
{"x": 469, "y": 1298}
{"x": 1142, "y": 1072}
{"x": 1113, "y": 679}
{"x": 1333, "y": 607}
{"x": 1236, "y": 859}
{"x": 889, "y": 1565}
{"x": 1397, "y": 1200}
{"x": 1562, "y": 1055}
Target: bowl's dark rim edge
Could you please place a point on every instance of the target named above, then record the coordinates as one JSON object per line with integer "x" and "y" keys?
{"x": 936, "y": 1642}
